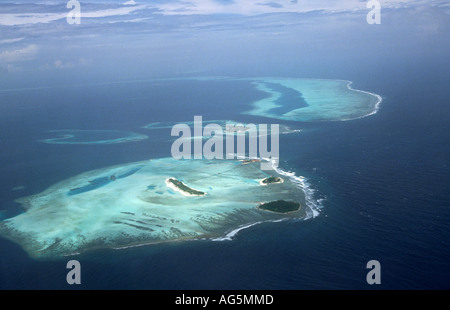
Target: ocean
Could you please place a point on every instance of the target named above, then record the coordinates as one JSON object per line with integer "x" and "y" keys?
{"x": 380, "y": 183}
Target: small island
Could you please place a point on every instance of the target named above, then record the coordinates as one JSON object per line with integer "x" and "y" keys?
{"x": 280, "y": 206}
{"x": 150, "y": 202}
{"x": 271, "y": 180}
{"x": 183, "y": 188}
{"x": 249, "y": 161}
{"x": 236, "y": 128}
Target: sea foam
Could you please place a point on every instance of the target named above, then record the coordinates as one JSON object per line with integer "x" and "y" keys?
{"x": 313, "y": 204}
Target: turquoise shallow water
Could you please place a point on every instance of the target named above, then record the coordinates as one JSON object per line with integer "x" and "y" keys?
{"x": 318, "y": 100}
{"x": 381, "y": 181}
{"x": 82, "y": 137}
{"x": 87, "y": 211}
{"x": 134, "y": 204}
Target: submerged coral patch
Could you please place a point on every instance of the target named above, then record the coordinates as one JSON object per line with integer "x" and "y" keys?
{"x": 147, "y": 202}
{"x": 90, "y": 137}
{"x": 309, "y": 100}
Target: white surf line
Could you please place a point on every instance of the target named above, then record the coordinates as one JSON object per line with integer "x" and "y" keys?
{"x": 313, "y": 204}
{"x": 229, "y": 236}
{"x": 377, "y": 104}
{"x": 349, "y": 83}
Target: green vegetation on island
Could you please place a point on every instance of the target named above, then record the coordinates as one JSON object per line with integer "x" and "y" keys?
{"x": 280, "y": 206}
{"x": 150, "y": 202}
{"x": 184, "y": 188}
{"x": 271, "y": 180}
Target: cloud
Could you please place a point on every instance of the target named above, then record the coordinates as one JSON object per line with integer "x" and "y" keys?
{"x": 126, "y": 10}
{"x": 45, "y": 13}
{"x": 28, "y": 18}
{"x": 274, "y": 5}
{"x": 59, "y": 64}
{"x": 251, "y": 7}
{"x": 32, "y": 18}
{"x": 225, "y": 2}
{"x": 8, "y": 41}
{"x": 19, "y": 55}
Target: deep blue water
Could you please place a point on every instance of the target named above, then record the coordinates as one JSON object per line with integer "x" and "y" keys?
{"x": 383, "y": 180}
{"x": 289, "y": 100}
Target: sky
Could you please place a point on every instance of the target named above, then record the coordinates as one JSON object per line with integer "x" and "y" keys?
{"x": 139, "y": 39}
